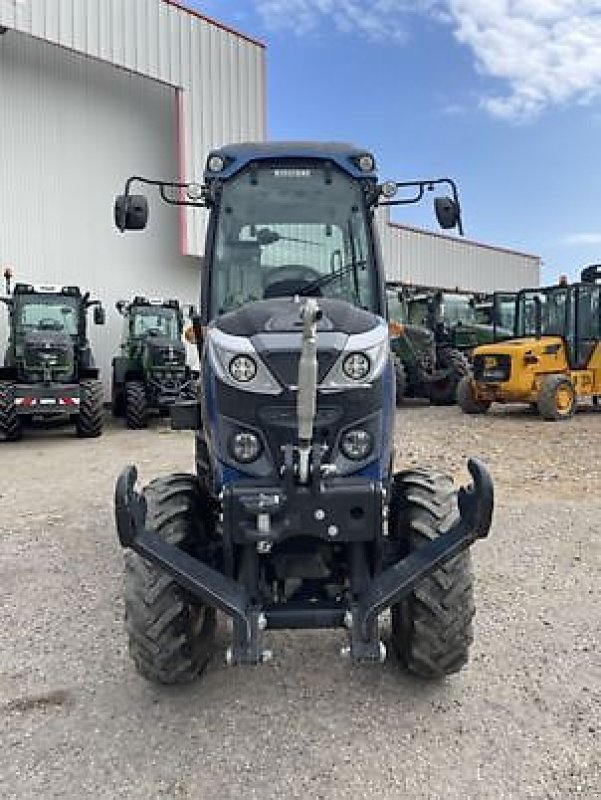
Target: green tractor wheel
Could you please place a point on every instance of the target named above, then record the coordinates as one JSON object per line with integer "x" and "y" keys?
{"x": 444, "y": 392}
{"x": 10, "y": 425}
{"x": 136, "y": 405}
{"x": 400, "y": 377}
{"x": 90, "y": 418}
{"x": 467, "y": 400}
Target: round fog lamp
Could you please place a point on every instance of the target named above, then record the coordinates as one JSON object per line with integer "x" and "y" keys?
{"x": 243, "y": 369}
{"x": 356, "y": 445}
{"x": 216, "y": 164}
{"x": 366, "y": 163}
{"x": 245, "y": 447}
{"x": 356, "y": 366}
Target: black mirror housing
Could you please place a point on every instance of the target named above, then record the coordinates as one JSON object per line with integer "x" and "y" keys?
{"x": 131, "y": 212}
{"x": 447, "y": 212}
{"x": 99, "y": 315}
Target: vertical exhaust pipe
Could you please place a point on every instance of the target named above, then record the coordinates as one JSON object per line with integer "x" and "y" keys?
{"x": 307, "y": 387}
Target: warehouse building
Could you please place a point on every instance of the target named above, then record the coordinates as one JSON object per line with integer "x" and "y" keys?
{"x": 96, "y": 90}
{"x": 427, "y": 258}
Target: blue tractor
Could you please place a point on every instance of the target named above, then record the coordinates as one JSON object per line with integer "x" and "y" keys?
{"x": 295, "y": 518}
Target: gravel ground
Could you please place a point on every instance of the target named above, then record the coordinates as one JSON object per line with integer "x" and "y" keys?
{"x": 522, "y": 721}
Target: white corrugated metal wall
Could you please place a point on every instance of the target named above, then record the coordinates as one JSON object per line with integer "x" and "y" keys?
{"x": 221, "y": 73}
{"x": 430, "y": 259}
{"x": 73, "y": 128}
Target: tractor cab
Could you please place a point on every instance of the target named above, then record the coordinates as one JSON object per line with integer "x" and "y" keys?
{"x": 151, "y": 372}
{"x": 49, "y": 369}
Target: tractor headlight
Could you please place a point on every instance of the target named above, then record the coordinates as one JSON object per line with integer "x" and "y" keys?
{"x": 356, "y": 366}
{"x": 363, "y": 360}
{"x": 236, "y": 362}
{"x": 356, "y": 445}
{"x": 245, "y": 447}
{"x": 243, "y": 369}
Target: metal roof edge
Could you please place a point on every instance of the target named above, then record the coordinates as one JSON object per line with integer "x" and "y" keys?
{"x": 201, "y": 15}
{"x": 462, "y": 240}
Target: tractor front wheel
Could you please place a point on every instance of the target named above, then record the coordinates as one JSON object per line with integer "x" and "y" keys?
{"x": 432, "y": 627}
{"x": 444, "y": 392}
{"x": 10, "y": 425}
{"x": 400, "y": 377}
{"x": 171, "y": 637}
{"x": 136, "y": 405}
{"x": 89, "y": 420}
{"x": 556, "y": 398}
{"x": 466, "y": 397}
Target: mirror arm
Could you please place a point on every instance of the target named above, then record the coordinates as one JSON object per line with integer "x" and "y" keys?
{"x": 163, "y": 186}
{"x": 421, "y": 187}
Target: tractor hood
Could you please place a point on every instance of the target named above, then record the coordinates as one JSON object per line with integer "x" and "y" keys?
{"x": 273, "y": 330}
{"x": 164, "y": 352}
{"x": 283, "y": 315}
{"x": 48, "y": 354}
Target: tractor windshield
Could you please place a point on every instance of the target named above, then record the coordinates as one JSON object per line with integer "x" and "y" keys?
{"x": 38, "y": 312}
{"x": 155, "y": 321}
{"x": 458, "y": 309}
{"x": 282, "y": 231}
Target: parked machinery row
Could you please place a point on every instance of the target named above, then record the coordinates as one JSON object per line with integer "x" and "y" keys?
{"x": 49, "y": 370}
{"x": 553, "y": 357}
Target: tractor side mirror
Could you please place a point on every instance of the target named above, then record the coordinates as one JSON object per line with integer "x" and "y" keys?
{"x": 447, "y": 212}
{"x": 131, "y": 212}
{"x": 120, "y": 306}
{"x": 99, "y": 315}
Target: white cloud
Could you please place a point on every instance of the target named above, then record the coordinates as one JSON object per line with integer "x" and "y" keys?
{"x": 378, "y": 19}
{"x": 543, "y": 52}
{"x": 577, "y": 239}
{"x": 548, "y": 52}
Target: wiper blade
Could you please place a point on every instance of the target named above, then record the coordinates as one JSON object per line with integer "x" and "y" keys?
{"x": 331, "y": 276}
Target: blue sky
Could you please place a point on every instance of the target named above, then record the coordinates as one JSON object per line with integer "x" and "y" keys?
{"x": 502, "y": 95}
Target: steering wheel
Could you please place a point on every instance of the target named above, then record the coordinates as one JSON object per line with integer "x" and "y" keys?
{"x": 154, "y": 332}
{"x": 288, "y": 280}
{"x": 50, "y": 324}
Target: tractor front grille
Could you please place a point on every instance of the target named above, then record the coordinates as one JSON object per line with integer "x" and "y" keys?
{"x": 492, "y": 368}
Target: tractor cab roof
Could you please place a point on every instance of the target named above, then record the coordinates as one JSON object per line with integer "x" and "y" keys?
{"x": 48, "y": 289}
{"x": 154, "y": 301}
{"x": 225, "y": 162}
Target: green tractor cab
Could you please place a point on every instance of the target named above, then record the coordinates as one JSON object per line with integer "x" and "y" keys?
{"x": 49, "y": 370}
{"x": 423, "y": 367}
{"x": 151, "y": 372}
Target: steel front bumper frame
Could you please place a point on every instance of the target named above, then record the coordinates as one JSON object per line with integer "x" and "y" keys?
{"x": 212, "y": 587}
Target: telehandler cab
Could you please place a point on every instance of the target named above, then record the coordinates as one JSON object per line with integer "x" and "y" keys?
{"x": 49, "y": 370}
{"x": 555, "y": 359}
{"x": 295, "y": 518}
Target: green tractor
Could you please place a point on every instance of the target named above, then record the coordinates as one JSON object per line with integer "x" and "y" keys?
{"x": 151, "y": 373}
{"x": 49, "y": 371}
{"x": 424, "y": 367}
{"x": 453, "y": 317}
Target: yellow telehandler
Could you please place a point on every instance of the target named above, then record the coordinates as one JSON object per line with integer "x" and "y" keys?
{"x": 555, "y": 359}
